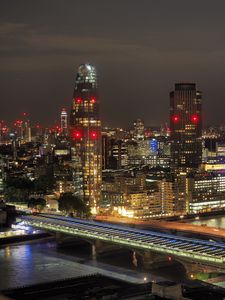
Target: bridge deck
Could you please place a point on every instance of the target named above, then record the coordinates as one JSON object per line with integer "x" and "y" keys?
{"x": 192, "y": 249}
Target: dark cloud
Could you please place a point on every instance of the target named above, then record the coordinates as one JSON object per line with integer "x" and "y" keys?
{"x": 140, "y": 49}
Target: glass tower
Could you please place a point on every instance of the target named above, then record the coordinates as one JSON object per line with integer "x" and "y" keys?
{"x": 186, "y": 126}
{"x": 85, "y": 133}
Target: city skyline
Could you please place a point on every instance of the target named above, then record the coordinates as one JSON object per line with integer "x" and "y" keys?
{"x": 112, "y": 149}
{"x": 139, "y": 55}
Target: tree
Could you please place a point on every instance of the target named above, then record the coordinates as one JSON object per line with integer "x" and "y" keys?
{"x": 73, "y": 204}
{"x": 12, "y": 194}
{"x": 17, "y": 189}
{"x": 44, "y": 183}
{"x": 37, "y": 204}
{"x": 20, "y": 183}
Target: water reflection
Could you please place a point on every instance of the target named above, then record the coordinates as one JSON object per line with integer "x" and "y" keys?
{"x": 25, "y": 264}
{"x": 32, "y": 263}
{"x": 7, "y": 252}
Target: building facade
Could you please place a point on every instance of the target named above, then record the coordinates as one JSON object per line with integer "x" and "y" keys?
{"x": 206, "y": 191}
{"x": 85, "y": 133}
{"x": 186, "y": 127}
{"x": 64, "y": 122}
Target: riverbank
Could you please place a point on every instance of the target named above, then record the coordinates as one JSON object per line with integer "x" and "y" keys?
{"x": 22, "y": 238}
{"x": 190, "y": 217}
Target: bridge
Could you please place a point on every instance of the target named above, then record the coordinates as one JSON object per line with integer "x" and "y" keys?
{"x": 187, "y": 249}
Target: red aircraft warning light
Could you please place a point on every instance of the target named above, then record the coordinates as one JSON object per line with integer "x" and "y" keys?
{"x": 94, "y": 135}
{"x": 18, "y": 123}
{"x": 78, "y": 100}
{"x": 93, "y": 100}
{"x": 175, "y": 118}
{"x": 76, "y": 134}
{"x": 195, "y": 119}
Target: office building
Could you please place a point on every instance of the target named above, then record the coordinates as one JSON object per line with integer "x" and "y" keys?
{"x": 186, "y": 127}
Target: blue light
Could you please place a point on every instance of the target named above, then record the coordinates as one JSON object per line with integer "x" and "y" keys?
{"x": 154, "y": 145}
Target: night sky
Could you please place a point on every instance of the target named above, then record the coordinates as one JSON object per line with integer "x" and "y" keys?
{"x": 139, "y": 47}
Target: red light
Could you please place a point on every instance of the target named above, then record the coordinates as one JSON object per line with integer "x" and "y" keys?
{"x": 195, "y": 119}
{"x": 94, "y": 135}
{"x": 93, "y": 100}
{"x": 175, "y": 119}
{"x": 76, "y": 134}
{"x": 24, "y": 114}
{"x": 18, "y": 123}
{"x": 169, "y": 258}
{"x": 78, "y": 101}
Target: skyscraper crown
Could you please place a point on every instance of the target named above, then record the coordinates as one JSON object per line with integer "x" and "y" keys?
{"x": 87, "y": 74}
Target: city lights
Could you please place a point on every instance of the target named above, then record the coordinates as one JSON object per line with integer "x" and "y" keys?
{"x": 112, "y": 150}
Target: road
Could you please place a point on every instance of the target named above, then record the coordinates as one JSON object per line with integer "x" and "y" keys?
{"x": 172, "y": 226}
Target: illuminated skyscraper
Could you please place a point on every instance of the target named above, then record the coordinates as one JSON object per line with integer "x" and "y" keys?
{"x": 64, "y": 122}
{"x": 85, "y": 132}
{"x": 186, "y": 144}
{"x": 139, "y": 130}
{"x": 186, "y": 126}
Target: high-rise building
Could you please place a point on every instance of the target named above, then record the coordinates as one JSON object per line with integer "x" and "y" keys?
{"x": 105, "y": 151}
{"x": 139, "y": 130}
{"x": 186, "y": 127}
{"x": 85, "y": 133}
{"x": 1, "y": 176}
{"x": 64, "y": 121}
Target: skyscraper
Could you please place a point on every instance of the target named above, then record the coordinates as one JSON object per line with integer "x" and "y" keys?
{"x": 85, "y": 133}
{"x": 139, "y": 130}
{"x": 186, "y": 127}
{"x": 64, "y": 122}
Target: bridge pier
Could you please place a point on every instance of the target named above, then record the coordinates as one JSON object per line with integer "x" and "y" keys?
{"x": 100, "y": 248}
{"x": 153, "y": 260}
{"x": 93, "y": 252}
{"x": 193, "y": 270}
{"x": 60, "y": 238}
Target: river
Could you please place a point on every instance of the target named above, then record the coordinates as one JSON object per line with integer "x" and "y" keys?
{"x": 40, "y": 261}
